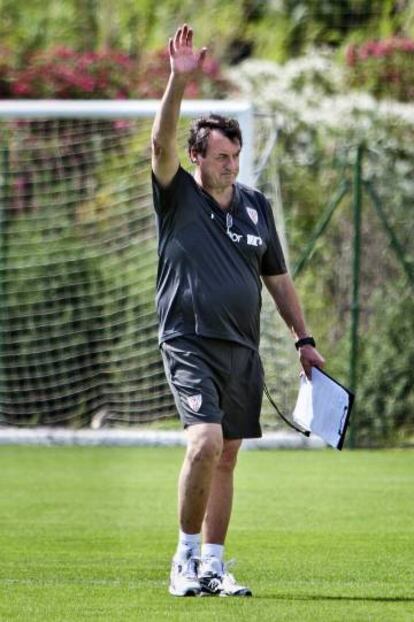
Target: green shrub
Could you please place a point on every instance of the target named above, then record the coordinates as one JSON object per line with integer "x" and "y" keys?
{"x": 386, "y": 391}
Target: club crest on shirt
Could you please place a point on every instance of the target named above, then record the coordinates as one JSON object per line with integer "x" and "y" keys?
{"x": 253, "y": 214}
{"x": 195, "y": 401}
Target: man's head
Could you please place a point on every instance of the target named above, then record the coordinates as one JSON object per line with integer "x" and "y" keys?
{"x": 201, "y": 129}
{"x": 214, "y": 146}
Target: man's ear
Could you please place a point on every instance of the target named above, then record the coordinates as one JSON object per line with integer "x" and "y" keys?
{"x": 194, "y": 156}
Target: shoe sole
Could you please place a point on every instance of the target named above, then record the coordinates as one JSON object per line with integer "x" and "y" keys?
{"x": 243, "y": 593}
{"x": 224, "y": 595}
{"x": 186, "y": 594}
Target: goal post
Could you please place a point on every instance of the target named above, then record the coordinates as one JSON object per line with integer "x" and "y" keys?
{"x": 78, "y": 328}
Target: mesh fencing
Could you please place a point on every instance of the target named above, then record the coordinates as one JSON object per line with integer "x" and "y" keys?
{"x": 78, "y": 329}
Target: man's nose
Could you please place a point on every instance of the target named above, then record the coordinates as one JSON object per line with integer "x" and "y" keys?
{"x": 233, "y": 164}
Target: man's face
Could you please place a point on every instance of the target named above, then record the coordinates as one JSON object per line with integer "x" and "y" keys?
{"x": 219, "y": 167}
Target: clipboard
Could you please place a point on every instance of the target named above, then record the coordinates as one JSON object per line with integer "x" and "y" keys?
{"x": 324, "y": 407}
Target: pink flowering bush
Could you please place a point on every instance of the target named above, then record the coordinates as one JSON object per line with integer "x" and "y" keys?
{"x": 384, "y": 68}
{"x": 155, "y": 71}
{"x": 63, "y": 73}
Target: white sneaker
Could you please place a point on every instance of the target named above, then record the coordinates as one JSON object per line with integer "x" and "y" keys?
{"x": 215, "y": 580}
{"x": 183, "y": 577}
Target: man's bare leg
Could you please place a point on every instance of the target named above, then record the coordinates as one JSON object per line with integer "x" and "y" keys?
{"x": 204, "y": 448}
{"x": 218, "y": 511}
{"x": 205, "y": 445}
{"x": 212, "y": 573}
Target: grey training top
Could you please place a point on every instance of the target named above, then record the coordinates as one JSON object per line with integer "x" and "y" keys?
{"x": 211, "y": 260}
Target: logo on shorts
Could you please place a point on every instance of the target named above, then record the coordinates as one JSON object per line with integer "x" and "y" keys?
{"x": 253, "y": 214}
{"x": 195, "y": 401}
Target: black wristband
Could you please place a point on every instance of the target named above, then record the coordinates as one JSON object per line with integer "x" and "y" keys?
{"x": 305, "y": 341}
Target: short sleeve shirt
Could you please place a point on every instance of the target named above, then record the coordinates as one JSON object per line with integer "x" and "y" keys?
{"x": 211, "y": 261}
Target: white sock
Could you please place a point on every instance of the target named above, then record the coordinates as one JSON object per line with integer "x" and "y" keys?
{"x": 186, "y": 542}
{"x": 212, "y": 550}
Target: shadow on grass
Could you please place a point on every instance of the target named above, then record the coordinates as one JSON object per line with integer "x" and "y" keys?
{"x": 376, "y": 599}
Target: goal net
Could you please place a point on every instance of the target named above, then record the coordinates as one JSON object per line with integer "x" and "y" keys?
{"x": 78, "y": 330}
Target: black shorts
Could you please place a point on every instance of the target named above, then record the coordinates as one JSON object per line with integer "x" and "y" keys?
{"x": 215, "y": 381}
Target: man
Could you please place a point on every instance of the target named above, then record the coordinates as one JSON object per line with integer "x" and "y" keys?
{"x": 217, "y": 240}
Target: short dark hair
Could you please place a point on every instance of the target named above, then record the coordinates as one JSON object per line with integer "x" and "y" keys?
{"x": 201, "y": 128}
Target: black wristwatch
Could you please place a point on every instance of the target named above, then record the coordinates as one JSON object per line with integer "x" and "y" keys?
{"x": 305, "y": 341}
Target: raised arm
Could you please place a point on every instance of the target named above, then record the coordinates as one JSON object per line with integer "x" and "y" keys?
{"x": 184, "y": 62}
{"x": 287, "y": 303}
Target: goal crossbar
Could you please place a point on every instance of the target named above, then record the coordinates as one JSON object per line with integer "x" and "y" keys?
{"x": 110, "y": 109}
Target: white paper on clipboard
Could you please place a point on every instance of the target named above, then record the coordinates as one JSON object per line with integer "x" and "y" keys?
{"x": 323, "y": 407}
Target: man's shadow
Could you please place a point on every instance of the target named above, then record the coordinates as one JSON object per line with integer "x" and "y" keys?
{"x": 378, "y": 599}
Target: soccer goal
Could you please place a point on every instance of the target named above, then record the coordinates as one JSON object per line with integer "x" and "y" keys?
{"x": 78, "y": 330}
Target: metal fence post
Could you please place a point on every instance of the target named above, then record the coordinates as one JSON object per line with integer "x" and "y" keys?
{"x": 4, "y": 166}
{"x": 356, "y": 263}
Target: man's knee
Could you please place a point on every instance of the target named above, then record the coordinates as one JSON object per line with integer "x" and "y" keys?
{"x": 228, "y": 458}
{"x": 205, "y": 443}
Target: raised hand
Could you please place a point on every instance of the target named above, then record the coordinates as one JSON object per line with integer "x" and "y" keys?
{"x": 184, "y": 60}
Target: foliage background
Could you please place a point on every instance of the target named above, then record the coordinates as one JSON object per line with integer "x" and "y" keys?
{"x": 277, "y": 29}
{"x": 325, "y": 93}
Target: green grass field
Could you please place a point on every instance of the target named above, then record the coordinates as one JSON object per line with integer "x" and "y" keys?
{"x": 88, "y": 533}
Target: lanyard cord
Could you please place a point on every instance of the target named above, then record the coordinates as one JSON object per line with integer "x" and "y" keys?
{"x": 281, "y": 415}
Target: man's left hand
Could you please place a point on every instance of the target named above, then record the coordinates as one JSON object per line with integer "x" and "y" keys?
{"x": 309, "y": 357}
